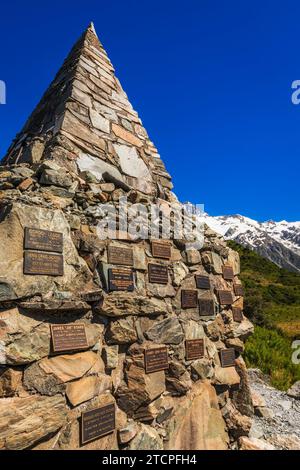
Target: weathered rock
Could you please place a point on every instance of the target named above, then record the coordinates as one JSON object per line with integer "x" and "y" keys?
{"x": 247, "y": 443}
{"x": 243, "y": 397}
{"x": 57, "y": 178}
{"x": 167, "y": 331}
{"x": 23, "y": 339}
{"x": 128, "y": 433}
{"x": 294, "y": 390}
{"x": 226, "y": 376}
{"x": 202, "y": 369}
{"x": 87, "y": 388}
{"x": 193, "y": 256}
{"x": 110, "y": 354}
{"x": 197, "y": 423}
{"x": 180, "y": 271}
{"x": 10, "y": 382}
{"x": 122, "y": 331}
{"x": 147, "y": 438}
{"x": 237, "y": 424}
{"x": 25, "y": 421}
{"x": 119, "y": 304}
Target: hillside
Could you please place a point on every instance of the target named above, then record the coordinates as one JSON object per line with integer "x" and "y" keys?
{"x": 272, "y": 302}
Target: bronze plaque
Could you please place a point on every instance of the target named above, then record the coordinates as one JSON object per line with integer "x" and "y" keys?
{"x": 120, "y": 255}
{"x": 202, "y": 281}
{"x": 238, "y": 290}
{"x": 156, "y": 359}
{"x": 189, "y": 298}
{"x": 237, "y": 314}
{"x": 207, "y": 308}
{"x": 68, "y": 337}
{"x": 43, "y": 240}
{"x": 161, "y": 249}
{"x": 228, "y": 273}
{"x": 47, "y": 264}
{"x": 227, "y": 357}
{"x": 158, "y": 273}
{"x": 120, "y": 279}
{"x": 92, "y": 296}
{"x": 97, "y": 423}
{"x": 194, "y": 349}
{"x": 225, "y": 297}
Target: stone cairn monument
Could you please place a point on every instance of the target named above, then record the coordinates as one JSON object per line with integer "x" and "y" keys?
{"x": 125, "y": 343}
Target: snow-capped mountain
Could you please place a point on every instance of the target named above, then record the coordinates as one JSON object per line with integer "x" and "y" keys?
{"x": 277, "y": 241}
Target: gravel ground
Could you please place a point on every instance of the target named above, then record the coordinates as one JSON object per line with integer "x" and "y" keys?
{"x": 280, "y": 425}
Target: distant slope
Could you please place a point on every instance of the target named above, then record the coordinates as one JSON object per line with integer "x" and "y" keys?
{"x": 277, "y": 241}
{"x": 272, "y": 302}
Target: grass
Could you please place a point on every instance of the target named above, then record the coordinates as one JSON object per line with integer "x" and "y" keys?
{"x": 272, "y": 303}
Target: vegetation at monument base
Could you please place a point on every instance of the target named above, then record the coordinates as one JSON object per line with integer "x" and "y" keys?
{"x": 272, "y": 303}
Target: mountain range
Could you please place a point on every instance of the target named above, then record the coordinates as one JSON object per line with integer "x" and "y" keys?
{"x": 277, "y": 241}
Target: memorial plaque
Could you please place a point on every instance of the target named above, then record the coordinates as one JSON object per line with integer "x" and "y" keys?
{"x": 225, "y": 297}
{"x": 194, "y": 349}
{"x": 228, "y": 273}
{"x": 156, "y": 359}
{"x": 43, "y": 240}
{"x": 68, "y": 337}
{"x": 202, "y": 281}
{"x": 158, "y": 274}
{"x": 97, "y": 423}
{"x": 237, "y": 314}
{"x": 92, "y": 296}
{"x": 161, "y": 249}
{"x": 47, "y": 264}
{"x": 207, "y": 308}
{"x": 120, "y": 279}
{"x": 227, "y": 357}
{"x": 238, "y": 290}
{"x": 120, "y": 255}
{"x": 189, "y": 298}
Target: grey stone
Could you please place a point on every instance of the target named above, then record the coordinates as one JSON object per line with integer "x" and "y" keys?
{"x": 167, "y": 331}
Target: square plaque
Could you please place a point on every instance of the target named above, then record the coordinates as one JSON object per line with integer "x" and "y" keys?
{"x": 97, "y": 423}
{"x": 156, "y": 359}
{"x": 120, "y": 255}
{"x": 43, "y": 240}
{"x": 189, "y": 298}
{"x": 225, "y": 297}
{"x": 227, "y": 357}
{"x": 68, "y": 337}
{"x": 47, "y": 264}
{"x": 120, "y": 279}
{"x": 194, "y": 349}
{"x": 237, "y": 314}
{"x": 161, "y": 249}
{"x": 202, "y": 281}
{"x": 228, "y": 273}
{"x": 238, "y": 290}
{"x": 207, "y": 308}
{"x": 158, "y": 274}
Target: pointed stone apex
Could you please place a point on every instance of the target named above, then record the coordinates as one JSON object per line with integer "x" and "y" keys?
{"x": 91, "y": 27}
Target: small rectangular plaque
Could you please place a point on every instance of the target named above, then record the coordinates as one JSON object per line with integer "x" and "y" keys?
{"x": 202, "y": 281}
{"x": 161, "y": 249}
{"x": 120, "y": 255}
{"x": 237, "y": 314}
{"x": 189, "y": 298}
{"x": 225, "y": 297}
{"x": 158, "y": 274}
{"x": 43, "y": 240}
{"x": 238, "y": 290}
{"x": 194, "y": 349}
{"x": 120, "y": 279}
{"x": 228, "y": 273}
{"x": 68, "y": 337}
{"x": 156, "y": 359}
{"x": 227, "y": 357}
{"x": 207, "y": 308}
{"x": 47, "y": 264}
{"x": 97, "y": 423}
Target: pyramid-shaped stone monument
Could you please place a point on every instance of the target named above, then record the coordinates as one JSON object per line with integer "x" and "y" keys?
{"x": 110, "y": 342}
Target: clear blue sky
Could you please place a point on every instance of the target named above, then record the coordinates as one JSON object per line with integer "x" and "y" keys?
{"x": 211, "y": 81}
